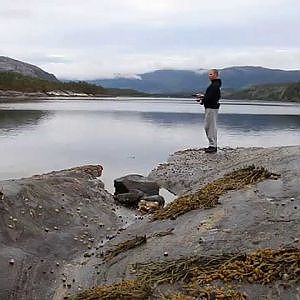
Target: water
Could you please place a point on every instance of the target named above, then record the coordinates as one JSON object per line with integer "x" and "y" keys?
{"x": 128, "y": 135}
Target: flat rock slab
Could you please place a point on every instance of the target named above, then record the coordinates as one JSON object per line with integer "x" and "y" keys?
{"x": 264, "y": 215}
{"x": 46, "y": 221}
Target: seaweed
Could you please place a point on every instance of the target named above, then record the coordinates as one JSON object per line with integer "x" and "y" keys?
{"x": 125, "y": 290}
{"x": 209, "y": 195}
{"x": 124, "y": 246}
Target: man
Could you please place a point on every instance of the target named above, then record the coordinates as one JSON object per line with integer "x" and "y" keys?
{"x": 210, "y": 100}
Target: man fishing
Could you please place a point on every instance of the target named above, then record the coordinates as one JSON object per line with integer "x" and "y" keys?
{"x": 210, "y": 100}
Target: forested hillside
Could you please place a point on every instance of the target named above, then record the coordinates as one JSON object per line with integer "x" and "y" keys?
{"x": 278, "y": 92}
{"x": 11, "y": 81}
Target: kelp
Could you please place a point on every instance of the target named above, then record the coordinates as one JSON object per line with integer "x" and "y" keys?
{"x": 194, "y": 274}
{"x": 206, "y": 293}
{"x": 261, "y": 266}
{"x": 125, "y": 290}
{"x": 124, "y": 246}
{"x": 209, "y": 195}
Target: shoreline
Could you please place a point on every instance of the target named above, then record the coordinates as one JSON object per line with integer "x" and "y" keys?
{"x": 17, "y": 96}
{"x": 61, "y": 224}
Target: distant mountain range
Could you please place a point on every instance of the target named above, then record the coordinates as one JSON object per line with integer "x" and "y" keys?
{"x": 238, "y": 82}
{"x": 185, "y": 82}
{"x": 12, "y": 65}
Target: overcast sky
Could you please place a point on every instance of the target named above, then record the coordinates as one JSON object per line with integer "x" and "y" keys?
{"x": 89, "y": 39}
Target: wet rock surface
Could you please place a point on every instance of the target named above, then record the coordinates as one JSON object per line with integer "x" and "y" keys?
{"x": 53, "y": 264}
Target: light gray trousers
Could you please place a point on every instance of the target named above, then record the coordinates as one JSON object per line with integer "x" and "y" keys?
{"x": 210, "y": 125}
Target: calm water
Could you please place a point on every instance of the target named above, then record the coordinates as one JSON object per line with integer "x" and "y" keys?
{"x": 128, "y": 135}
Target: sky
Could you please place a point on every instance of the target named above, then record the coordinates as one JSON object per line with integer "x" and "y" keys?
{"x": 76, "y": 39}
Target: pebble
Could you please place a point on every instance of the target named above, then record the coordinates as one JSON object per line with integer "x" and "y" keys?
{"x": 201, "y": 240}
{"x": 57, "y": 210}
{"x": 166, "y": 253}
{"x": 46, "y": 229}
{"x": 285, "y": 276}
{"x": 11, "y": 261}
{"x": 10, "y": 226}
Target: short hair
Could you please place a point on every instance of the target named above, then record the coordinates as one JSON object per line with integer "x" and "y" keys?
{"x": 215, "y": 71}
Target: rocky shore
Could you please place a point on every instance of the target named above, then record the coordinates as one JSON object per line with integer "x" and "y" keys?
{"x": 17, "y": 94}
{"x": 64, "y": 236}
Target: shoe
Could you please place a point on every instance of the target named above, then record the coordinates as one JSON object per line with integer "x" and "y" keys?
{"x": 210, "y": 149}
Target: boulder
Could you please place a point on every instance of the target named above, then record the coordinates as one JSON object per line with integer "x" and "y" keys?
{"x": 129, "y": 199}
{"x": 135, "y": 182}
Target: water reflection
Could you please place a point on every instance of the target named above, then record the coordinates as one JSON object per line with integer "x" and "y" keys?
{"x": 242, "y": 122}
{"x": 13, "y": 121}
{"x": 131, "y": 137}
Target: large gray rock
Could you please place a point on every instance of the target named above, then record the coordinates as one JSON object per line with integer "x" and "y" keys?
{"x": 130, "y": 199}
{"x": 46, "y": 221}
{"x": 136, "y": 182}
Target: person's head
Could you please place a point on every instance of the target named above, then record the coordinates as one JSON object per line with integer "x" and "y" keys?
{"x": 213, "y": 74}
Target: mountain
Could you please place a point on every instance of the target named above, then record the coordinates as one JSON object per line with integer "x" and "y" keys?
{"x": 19, "y": 78}
{"x": 11, "y": 65}
{"x": 186, "y": 82}
{"x": 282, "y": 92}
{"x": 11, "y": 82}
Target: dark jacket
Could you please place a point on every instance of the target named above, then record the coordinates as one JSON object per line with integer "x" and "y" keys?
{"x": 213, "y": 94}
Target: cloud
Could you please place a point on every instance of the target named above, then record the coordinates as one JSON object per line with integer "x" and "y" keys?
{"x": 14, "y": 13}
{"x": 96, "y": 38}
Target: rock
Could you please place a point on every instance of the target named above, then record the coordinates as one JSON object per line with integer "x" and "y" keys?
{"x": 53, "y": 236}
{"x": 130, "y": 199}
{"x": 135, "y": 182}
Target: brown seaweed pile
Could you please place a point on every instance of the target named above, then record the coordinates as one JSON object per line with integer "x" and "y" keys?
{"x": 194, "y": 274}
{"x": 261, "y": 266}
{"x": 125, "y": 290}
{"x": 122, "y": 247}
{"x": 206, "y": 293}
{"x": 209, "y": 195}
